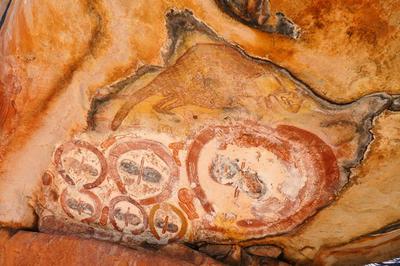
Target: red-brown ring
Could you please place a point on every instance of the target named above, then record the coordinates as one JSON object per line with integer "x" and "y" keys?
{"x": 96, "y": 200}
{"x": 118, "y": 199}
{"x": 202, "y": 139}
{"x": 160, "y": 150}
{"x": 328, "y": 174}
{"x": 80, "y": 144}
{"x": 184, "y": 224}
{"x": 327, "y": 181}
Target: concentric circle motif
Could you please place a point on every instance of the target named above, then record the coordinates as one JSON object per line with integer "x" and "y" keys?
{"x": 79, "y": 161}
{"x": 85, "y": 206}
{"x": 167, "y": 222}
{"x": 126, "y": 213}
{"x": 144, "y": 169}
{"x": 264, "y": 180}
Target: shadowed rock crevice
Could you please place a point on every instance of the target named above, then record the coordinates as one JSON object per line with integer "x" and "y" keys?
{"x": 257, "y": 14}
{"x": 4, "y": 14}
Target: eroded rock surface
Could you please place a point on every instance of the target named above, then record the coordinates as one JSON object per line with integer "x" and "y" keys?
{"x": 376, "y": 247}
{"x": 154, "y": 122}
{"x": 27, "y": 248}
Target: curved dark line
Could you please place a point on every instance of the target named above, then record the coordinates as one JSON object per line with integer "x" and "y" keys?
{"x": 3, "y": 17}
{"x": 225, "y": 8}
{"x": 279, "y": 28}
{"x": 97, "y": 101}
{"x": 395, "y": 106}
{"x": 385, "y": 229}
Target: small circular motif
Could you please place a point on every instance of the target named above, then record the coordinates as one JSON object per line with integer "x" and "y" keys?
{"x": 127, "y": 213}
{"x": 167, "y": 222}
{"x": 70, "y": 168}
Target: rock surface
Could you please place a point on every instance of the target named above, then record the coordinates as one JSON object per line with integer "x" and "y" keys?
{"x": 372, "y": 248}
{"x": 27, "y": 248}
{"x": 213, "y": 103}
{"x": 78, "y": 74}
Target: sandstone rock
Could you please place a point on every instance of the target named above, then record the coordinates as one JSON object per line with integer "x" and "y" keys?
{"x": 219, "y": 252}
{"x": 265, "y": 251}
{"x": 27, "y": 248}
{"x": 317, "y": 20}
{"x": 110, "y": 109}
{"x": 377, "y": 247}
{"x": 252, "y": 260}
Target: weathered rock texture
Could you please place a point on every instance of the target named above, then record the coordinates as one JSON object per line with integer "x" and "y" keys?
{"x": 27, "y": 248}
{"x": 374, "y": 247}
{"x": 249, "y": 122}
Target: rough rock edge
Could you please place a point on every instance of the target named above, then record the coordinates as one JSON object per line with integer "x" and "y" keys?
{"x": 345, "y": 248}
{"x": 4, "y": 14}
{"x": 283, "y": 26}
{"x": 15, "y": 241}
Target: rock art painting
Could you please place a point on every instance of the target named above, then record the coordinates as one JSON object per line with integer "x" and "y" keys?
{"x": 214, "y": 146}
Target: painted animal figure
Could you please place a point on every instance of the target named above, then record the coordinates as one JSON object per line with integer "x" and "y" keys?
{"x": 211, "y": 86}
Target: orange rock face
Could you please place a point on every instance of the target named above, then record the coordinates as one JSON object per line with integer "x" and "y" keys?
{"x": 267, "y": 128}
{"x": 26, "y": 248}
{"x": 375, "y": 247}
